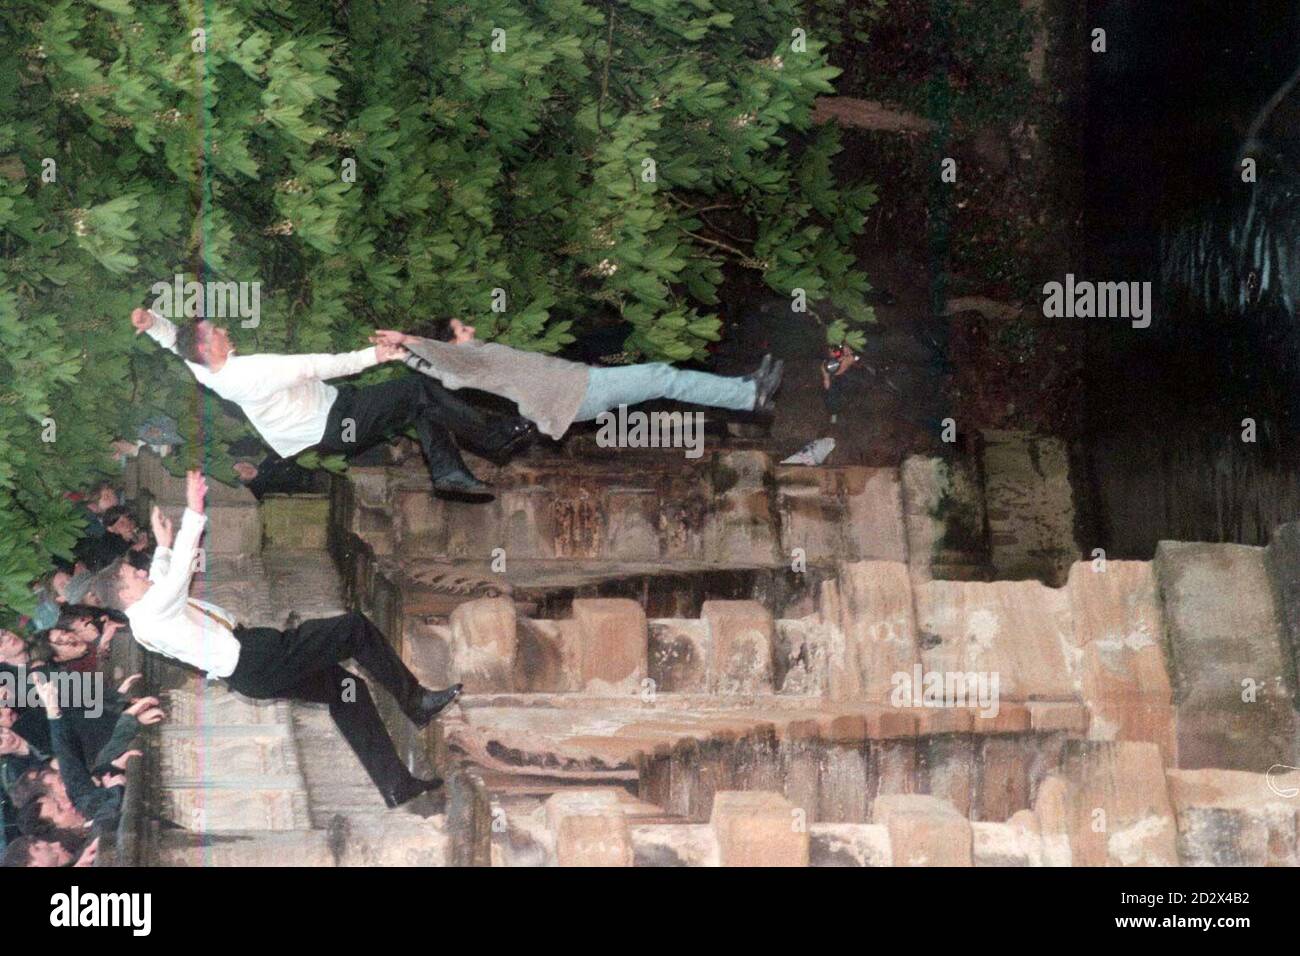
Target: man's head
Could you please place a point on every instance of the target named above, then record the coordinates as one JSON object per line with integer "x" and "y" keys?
{"x": 453, "y": 330}
{"x": 30, "y": 851}
{"x": 120, "y": 585}
{"x": 60, "y": 646}
{"x": 82, "y": 621}
{"x": 49, "y": 816}
{"x": 30, "y": 786}
{"x": 205, "y": 343}
{"x": 118, "y": 520}
{"x": 102, "y": 497}
{"x": 58, "y": 583}
{"x": 11, "y": 744}
{"x": 13, "y": 649}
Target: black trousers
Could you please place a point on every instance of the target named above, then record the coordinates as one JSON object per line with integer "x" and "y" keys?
{"x": 363, "y": 417}
{"x": 303, "y": 663}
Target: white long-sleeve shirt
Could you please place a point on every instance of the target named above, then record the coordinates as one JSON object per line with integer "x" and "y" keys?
{"x": 170, "y": 622}
{"x": 284, "y": 396}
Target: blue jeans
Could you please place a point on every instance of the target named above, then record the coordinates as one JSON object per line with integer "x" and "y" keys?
{"x": 611, "y": 386}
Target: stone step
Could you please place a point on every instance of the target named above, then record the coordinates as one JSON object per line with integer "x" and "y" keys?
{"x": 203, "y": 754}
{"x": 245, "y": 848}
{"x": 392, "y": 838}
{"x": 274, "y": 803}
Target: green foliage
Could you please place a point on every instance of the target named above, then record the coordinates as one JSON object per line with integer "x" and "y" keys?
{"x": 512, "y": 160}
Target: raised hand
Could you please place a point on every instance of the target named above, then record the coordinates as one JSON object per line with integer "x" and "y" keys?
{"x": 142, "y": 319}
{"x": 121, "y": 762}
{"x": 196, "y": 488}
{"x": 89, "y": 854}
{"x": 125, "y": 687}
{"x": 163, "y": 532}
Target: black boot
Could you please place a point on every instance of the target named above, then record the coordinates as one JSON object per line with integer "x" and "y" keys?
{"x": 429, "y": 703}
{"x": 408, "y": 790}
{"x": 767, "y": 385}
{"x": 512, "y": 437}
{"x": 461, "y": 482}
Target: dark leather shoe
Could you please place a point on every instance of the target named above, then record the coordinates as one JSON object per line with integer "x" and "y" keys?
{"x": 763, "y": 368}
{"x": 517, "y": 436}
{"x": 462, "y": 483}
{"x": 430, "y": 703}
{"x": 768, "y": 385}
{"x": 407, "y": 791}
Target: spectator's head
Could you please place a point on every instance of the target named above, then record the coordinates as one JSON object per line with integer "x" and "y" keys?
{"x": 59, "y": 646}
{"x": 82, "y": 620}
{"x": 205, "y": 343}
{"x": 246, "y": 471}
{"x": 118, "y": 520}
{"x": 121, "y": 584}
{"x": 32, "y": 851}
{"x": 102, "y": 497}
{"x": 13, "y": 649}
{"x": 453, "y": 330}
{"x": 30, "y": 786}
{"x": 11, "y": 743}
{"x": 8, "y": 717}
{"x": 48, "y": 814}
{"x": 58, "y": 584}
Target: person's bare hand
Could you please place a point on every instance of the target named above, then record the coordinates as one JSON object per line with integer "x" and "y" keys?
{"x": 124, "y": 688}
{"x": 389, "y": 337}
{"x": 89, "y": 854}
{"x": 112, "y": 780}
{"x": 847, "y": 361}
{"x": 49, "y": 695}
{"x": 121, "y": 762}
{"x": 142, "y": 320}
{"x": 139, "y": 706}
{"x": 106, "y": 634}
{"x": 387, "y": 353}
{"x": 196, "y": 489}
{"x": 163, "y": 532}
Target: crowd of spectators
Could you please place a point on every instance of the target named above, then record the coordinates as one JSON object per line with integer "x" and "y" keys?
{"x": 67, "y": 727}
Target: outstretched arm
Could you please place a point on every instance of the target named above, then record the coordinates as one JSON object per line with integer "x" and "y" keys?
{"x": 171, "y": 575}
{"x": 158, "y": 328}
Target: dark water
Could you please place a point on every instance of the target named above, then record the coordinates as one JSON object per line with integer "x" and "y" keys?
{"x": 1167, "y": 109}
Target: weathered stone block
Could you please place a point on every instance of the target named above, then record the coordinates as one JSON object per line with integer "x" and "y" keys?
{"x": 756, "y": 828}
{"x": 923, "y": 830}
{"x": 1004, "y": 844}
{"x": 1223, "y": 630}
{"x": 483, "y": 644}
{"x": 741, "y": 634}
{"x": 614, "y": 639}
{"x": 1119, "y": 631}
{"x": 1232, "y": 818}
{"x": 1018, "y": 630}
{"x": 878, "y": 632}
{"x": 589, "y": 828}
{"x": 1112, "y": 804}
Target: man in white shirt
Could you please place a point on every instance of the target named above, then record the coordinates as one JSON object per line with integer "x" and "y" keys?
{"x": 301, "y": 663}
{"x": 287, "y": 399}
